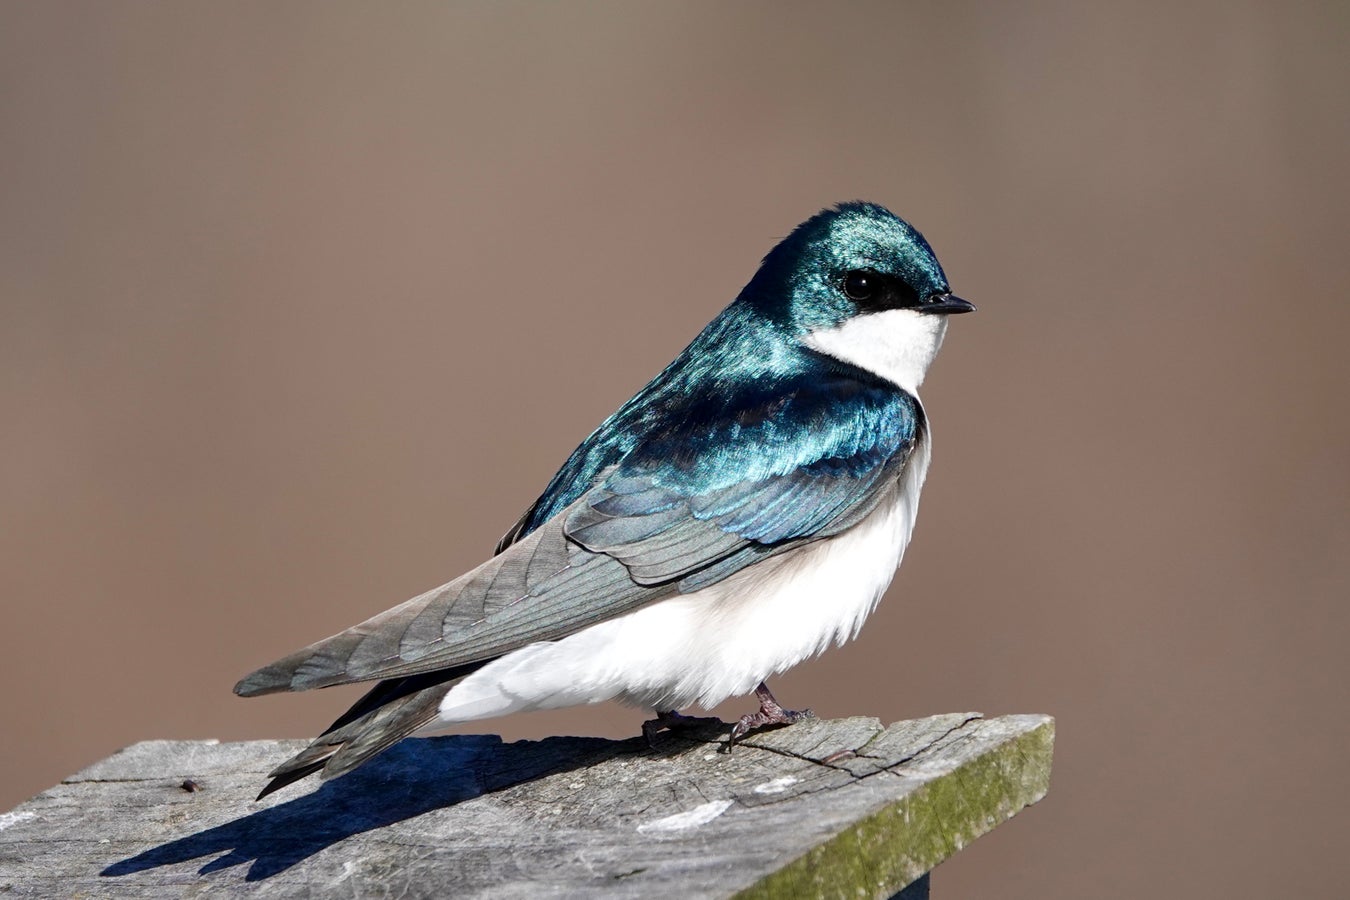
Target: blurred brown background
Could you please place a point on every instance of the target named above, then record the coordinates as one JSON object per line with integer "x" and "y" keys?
{"x": 301, "y": 304}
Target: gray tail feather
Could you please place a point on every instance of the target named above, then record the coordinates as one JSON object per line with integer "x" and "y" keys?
{"x": 389, "y": 712}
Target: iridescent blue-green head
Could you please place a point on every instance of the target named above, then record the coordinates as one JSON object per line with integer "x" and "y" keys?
{"x": 861, "y": 284}
{"x": 855, "y": 259}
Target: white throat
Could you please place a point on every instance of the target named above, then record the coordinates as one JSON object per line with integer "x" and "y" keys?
{"x": 897, "y": 344}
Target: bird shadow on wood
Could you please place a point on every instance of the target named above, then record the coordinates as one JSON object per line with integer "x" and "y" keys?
{"x": 414, "y": 777}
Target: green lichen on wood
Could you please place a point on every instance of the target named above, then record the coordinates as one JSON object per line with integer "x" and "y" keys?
{"x": 891, "y": 848}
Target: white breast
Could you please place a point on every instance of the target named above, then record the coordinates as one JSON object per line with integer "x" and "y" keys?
{"x": 719, "y": 642}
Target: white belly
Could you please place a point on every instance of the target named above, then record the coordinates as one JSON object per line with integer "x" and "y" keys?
{"x": 716, "y": 643}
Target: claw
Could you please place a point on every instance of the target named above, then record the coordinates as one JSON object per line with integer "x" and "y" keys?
{"x": 673, "y": 720}
{"x": 770, "y": 713}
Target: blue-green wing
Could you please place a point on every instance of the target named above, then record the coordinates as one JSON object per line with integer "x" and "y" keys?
{"x": 713, "y": 485}
{"x": 796, "y": 465}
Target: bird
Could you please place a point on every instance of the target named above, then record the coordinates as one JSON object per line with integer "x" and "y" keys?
{"x": 741, "y": 513}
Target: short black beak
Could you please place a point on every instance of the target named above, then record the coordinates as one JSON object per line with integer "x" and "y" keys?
{"x": 946, "y": 305}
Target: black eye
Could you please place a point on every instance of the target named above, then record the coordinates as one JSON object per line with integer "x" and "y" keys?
{"x": 861, "y": 286}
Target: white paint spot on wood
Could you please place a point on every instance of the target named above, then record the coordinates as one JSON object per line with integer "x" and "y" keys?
{"x": 10, "y": 819}
{"x": 699, "y": 815}
{"x": 777, "y": 786}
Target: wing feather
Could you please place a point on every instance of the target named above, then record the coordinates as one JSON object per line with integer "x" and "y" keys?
{"x": 690, "y": 506}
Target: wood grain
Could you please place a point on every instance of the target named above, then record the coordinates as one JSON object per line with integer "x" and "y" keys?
{"x": 824, "y": 808}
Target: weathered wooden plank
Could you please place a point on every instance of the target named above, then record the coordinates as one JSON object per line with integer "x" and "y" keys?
{"x": 828, "y": 808}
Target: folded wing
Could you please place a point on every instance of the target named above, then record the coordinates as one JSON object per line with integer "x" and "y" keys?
{"x": 699, "y": 499}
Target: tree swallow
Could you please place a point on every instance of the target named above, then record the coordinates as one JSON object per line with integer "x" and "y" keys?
{"x": 742, "y": 512}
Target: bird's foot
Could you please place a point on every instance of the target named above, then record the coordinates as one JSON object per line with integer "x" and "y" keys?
{"x": 673, "y": 720}
{"x": 770, "y": 713}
